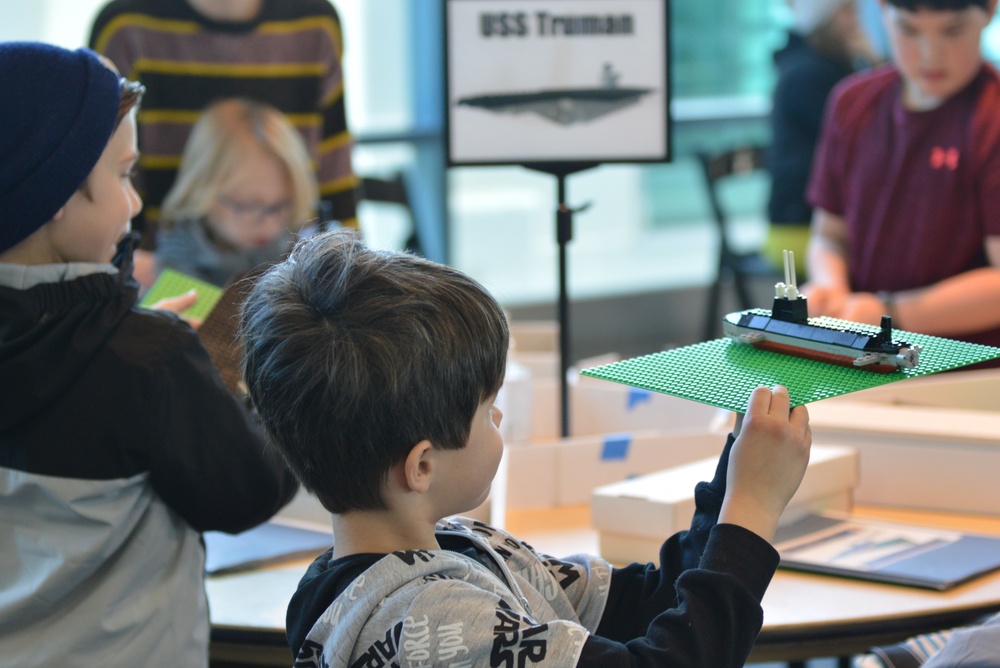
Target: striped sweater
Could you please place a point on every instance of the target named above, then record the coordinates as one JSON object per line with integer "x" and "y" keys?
{"x": 289, "y": 57}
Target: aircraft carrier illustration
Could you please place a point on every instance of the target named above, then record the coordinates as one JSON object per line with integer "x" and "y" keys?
{"x": 564, "y": 106}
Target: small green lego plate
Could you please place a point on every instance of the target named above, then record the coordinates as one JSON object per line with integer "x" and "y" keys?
{"x": 724, "y": 372}
{"x": 173, "y": 283}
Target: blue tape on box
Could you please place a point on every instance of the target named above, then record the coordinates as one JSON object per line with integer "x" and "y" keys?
{"x": 637, "y": 396}
{"x": 616, "y": 447}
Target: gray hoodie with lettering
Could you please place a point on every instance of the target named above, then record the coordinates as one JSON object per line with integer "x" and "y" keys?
{"x": 488, "y": 599}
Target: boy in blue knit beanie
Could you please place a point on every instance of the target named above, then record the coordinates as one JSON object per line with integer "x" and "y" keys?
{"x": 119, "y": 442}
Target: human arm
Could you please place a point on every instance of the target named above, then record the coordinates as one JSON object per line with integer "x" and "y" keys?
{"x": 767, "y": 462}
{"x": 482, "y": 623}
{"x": 178, "y": 305}
{"x": 701, "y": 607}
{"x": 977, "y": 645}
{"x": 828, "y": 287}
{"x": 964, "y": 303}
{"x": 648, "y": 609}
{"x": 717, "y": 615}
{"x": 209, "y": 459}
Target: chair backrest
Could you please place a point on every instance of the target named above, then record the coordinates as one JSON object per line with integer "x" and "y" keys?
{"x": 392, "y": 190}
{"x": 740, "y": 267}
{"x": 715, "y": 167}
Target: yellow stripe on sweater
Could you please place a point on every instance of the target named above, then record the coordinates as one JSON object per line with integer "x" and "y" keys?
{"x": 324, "y": 23}
{"x": 191, "y": 116}
{"x": 232, "y": 70}
{"x": 333, "y": 143}
{"x": 149, "y": 162}
{"x": 142, "y": 21}
{"x": 344, "y": 183}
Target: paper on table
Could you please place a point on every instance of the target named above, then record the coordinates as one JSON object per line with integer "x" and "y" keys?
{"x": 886, "y": 551}
{"x": 272, "y": 542}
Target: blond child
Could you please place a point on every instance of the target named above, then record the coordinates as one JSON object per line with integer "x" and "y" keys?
{"x": 244, "y": 188}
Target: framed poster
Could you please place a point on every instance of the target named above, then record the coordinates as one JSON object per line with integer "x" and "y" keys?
{"x": 557, "y": 81}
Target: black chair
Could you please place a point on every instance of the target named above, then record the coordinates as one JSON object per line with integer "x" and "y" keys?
{"x": 391, "y": 191}
{"x": 735, "y": 268}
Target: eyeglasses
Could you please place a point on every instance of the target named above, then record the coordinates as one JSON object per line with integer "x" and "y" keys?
{"x": 254, "y": 211}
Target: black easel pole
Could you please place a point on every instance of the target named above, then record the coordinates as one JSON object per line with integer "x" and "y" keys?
{"x": 564, "y": 234}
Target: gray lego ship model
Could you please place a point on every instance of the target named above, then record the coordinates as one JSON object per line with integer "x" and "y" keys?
{"x": 787, "y": 329}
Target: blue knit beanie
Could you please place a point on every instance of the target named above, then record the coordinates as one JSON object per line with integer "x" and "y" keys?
{"x": 58, "y": 113}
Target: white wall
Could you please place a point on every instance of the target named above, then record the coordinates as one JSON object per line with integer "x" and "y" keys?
{"x": 63, "y": 22}
{"x": 374, "y": 34}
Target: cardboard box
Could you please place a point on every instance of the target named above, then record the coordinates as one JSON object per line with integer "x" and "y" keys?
{"x": 919, "y": 457}
{"x": 530, "y": 475}
{"x": 977, "y": 390}
{"x": 535, "y": 335}
{"x": 634, "y": 517}
{"x": 542, "y": 365}
{"x": 566, "y": 471}
{"x": 599, "y": 407}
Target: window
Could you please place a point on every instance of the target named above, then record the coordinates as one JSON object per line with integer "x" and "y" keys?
{"x": 646, "y": 228}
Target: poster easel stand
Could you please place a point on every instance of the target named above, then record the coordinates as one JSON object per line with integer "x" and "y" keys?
{"x": 564, "y": 234}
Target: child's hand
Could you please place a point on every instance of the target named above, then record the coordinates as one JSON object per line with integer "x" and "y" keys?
{"x": 178, "y": 305}
{"x": 767, "y": 462}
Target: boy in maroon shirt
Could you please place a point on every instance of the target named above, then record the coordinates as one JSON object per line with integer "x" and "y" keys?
{"x": 906, "y": 182}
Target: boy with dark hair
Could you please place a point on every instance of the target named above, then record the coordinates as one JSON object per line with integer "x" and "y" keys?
{"x": 119, "y": 442}
{"x": 375, "y": 374}
{"x": 906, "y": 181}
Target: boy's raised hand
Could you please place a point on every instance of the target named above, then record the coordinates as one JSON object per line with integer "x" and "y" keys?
{"x": 767, "y": 461}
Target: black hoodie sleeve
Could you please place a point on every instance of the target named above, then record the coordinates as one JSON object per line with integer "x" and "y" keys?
{"x": 701, "y": 606}
{"x": 209, "y": 459}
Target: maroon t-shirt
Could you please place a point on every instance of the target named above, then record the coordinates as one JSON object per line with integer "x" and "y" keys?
{"x": 919, "y": 191}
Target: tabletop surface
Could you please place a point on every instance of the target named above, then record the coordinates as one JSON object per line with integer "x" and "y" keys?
{"x": 798, "y": 607}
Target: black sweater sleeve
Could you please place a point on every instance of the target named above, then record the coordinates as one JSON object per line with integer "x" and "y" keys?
{"x": 701, "y": 607}
{"x": 210, "y": 461}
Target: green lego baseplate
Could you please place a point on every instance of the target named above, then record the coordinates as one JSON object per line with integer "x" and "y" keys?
{"x": 172, "y": 283}
{"x": 723, "y": 372}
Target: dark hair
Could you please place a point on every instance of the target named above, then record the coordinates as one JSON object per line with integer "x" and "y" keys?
{"x": 352, "y": 356}
{"x": 938, "y": 5}
{"x": 131, "y": 95}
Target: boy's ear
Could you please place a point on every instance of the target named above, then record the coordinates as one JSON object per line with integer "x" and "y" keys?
{"x": 418, "y": 467}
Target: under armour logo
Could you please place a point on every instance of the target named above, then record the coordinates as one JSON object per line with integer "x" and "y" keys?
{"x": 944, "y": 157}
